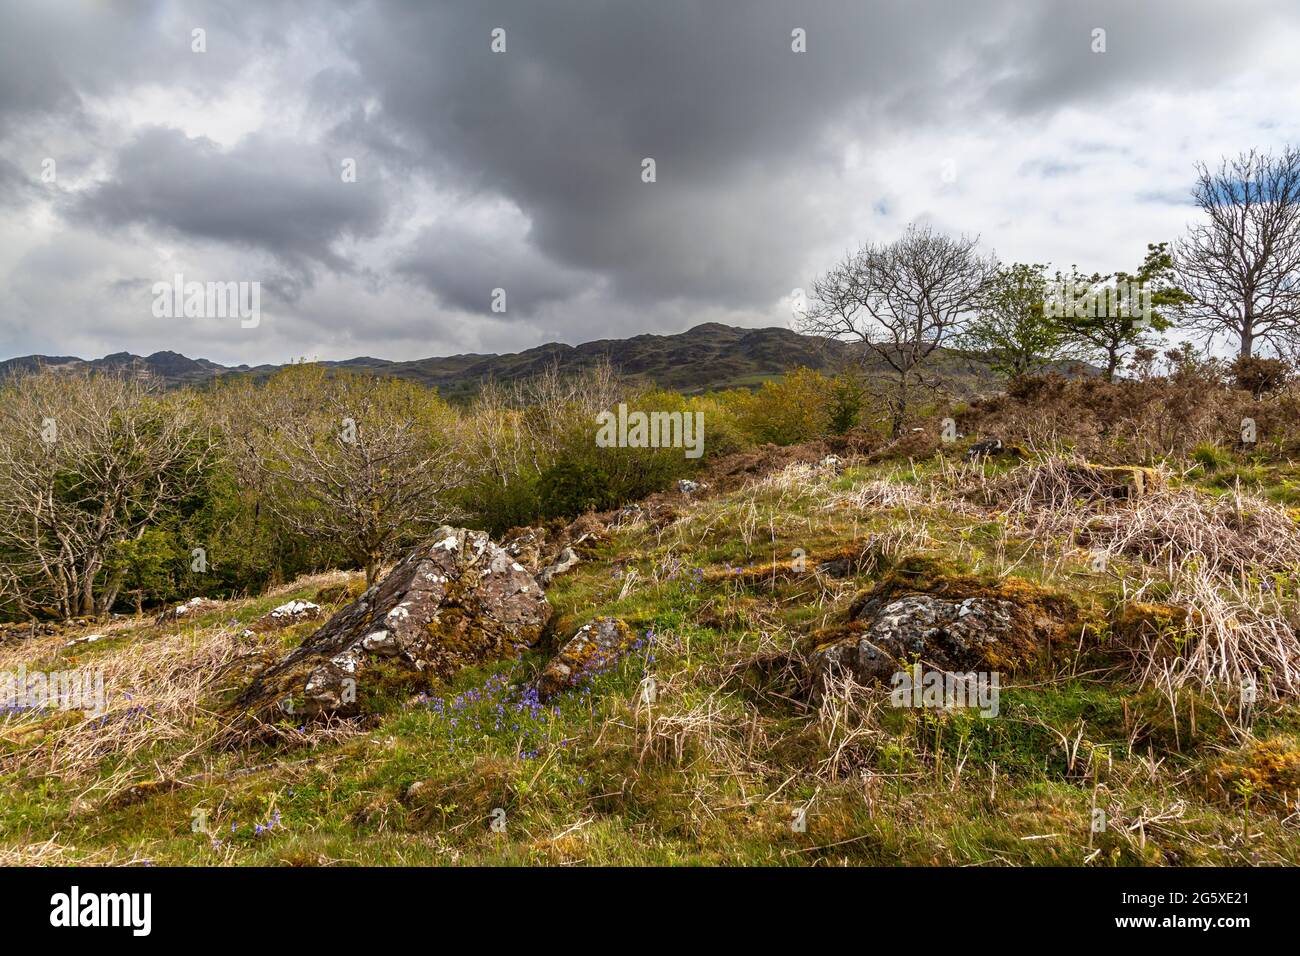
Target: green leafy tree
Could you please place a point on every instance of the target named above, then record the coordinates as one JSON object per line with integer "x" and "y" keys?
{"x": 1095, "y": 329}
{"x": 1011, "y": 326}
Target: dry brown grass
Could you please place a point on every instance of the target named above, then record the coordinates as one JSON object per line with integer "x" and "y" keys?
{"x": 153, "y": 689}
{"x": 1133, "y": 420}
{"x": 1233, "y": 535}
{"x": 160, "y": 691}
{"x": 1240, "y": 632}
{"x": 1230, "y": 561}
{"x": 53, "y": 853}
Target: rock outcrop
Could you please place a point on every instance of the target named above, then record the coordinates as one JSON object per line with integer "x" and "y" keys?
{"x": 458, "y": 600}
{"x": 526, "y": 545}
{"x": 192, "y": 606}
{"x": 286, "y": 615}
{"x": 564, "y": 561}
{"x": 947, "y": 634}
{"x": 949, "y": 623}
{"x": 594, "y": 648}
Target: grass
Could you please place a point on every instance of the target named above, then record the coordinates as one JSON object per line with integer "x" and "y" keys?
{"x": 729, "y": 754}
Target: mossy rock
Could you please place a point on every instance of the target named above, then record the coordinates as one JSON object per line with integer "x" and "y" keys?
{"x": 454, "y": 602}
{"x": 596, "y": 647}
{"x": 928, "y": 610}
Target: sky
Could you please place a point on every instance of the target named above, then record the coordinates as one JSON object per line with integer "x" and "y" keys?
{"x": 381, "y": 168}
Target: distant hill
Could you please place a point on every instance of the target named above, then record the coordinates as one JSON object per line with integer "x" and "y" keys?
{"x": 705, "y": 358}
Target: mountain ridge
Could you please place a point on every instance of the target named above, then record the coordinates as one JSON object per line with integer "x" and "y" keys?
{"x": 705, "y": 357}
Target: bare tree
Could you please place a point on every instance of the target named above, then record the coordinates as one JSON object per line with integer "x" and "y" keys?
{"x": 901, "y": 301}
{"x": 363, "y": 462}
{"x": 521, "y": 425}
{"x": 1242, "y": 267}
{"x": 87, "y": 463}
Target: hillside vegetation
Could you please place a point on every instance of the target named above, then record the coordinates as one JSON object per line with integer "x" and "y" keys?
{"x": 1159, "y": 552}
{"x": 706, "y": 358}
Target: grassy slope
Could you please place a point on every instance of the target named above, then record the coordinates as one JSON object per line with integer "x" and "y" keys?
{"x": 712, "y": 772}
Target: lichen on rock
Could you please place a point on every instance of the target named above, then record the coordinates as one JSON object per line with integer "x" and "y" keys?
{"x": 595, "y": 647}
{"x": 458, "y": 600}
{"x": 952, "y": 622}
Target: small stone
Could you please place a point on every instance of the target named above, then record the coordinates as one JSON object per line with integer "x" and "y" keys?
{"x": 988, "y": 448}
{"x": 567, "y": 559}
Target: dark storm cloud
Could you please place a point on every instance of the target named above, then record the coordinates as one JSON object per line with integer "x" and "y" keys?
{"x": 560, "y": 122}
{"x": 765, "y": 157}
{"x": 462, "y": 265}
{"x": 56, "y": 53}
{"x": 276, "y": 195}
{"x": 1166, "y": 44}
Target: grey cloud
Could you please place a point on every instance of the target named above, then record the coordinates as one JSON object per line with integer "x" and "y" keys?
{"x": 462, "y": 265}
{"x": 749, "y": 138}
{"x": 737, "y": 123}
{"x": 266, "y": 193}
{"x": 55, "y": 54}
{"x": 16, "y": 187}
{"x": 560, "y": 123}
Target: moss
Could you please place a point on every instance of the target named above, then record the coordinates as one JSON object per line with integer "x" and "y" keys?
{"x": 1267, "y": 771}
{"x": 1046, "y": 623}
{"x": 387, "y": 682}
{"x": 827, "y": 637}
{"x": 342, "y": 593}
{"x": 924, "y": 573}
{"x": 1158, "y": 629}
{"x": 851, "y": 558}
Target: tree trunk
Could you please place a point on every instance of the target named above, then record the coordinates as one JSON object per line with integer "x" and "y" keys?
{"x": 86, "y": 602}
{"x": 899, "y": 413}
{"x": 1112, "y": 363}
{"x": 106, "y": 600}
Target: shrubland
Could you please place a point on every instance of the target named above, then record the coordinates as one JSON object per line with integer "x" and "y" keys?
{"x": 1136, "y": 506}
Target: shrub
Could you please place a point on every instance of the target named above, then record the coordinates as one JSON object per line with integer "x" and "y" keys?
{"x": 797, "y": 408}
{"x": 1259, "y": 376}
{"x": 1211, "y": 457}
